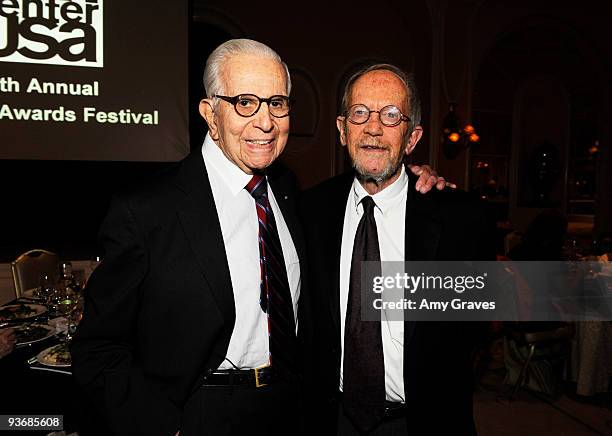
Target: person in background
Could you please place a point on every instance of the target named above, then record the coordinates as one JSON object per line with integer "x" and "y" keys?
{"x": 544, "y": 238}
{"x": 7, "y": 342}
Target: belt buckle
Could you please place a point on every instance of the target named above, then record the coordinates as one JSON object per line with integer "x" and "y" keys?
{"x": 258, "y": 383}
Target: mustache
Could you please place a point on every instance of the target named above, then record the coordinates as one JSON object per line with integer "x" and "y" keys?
{"x": 372, "y": 144}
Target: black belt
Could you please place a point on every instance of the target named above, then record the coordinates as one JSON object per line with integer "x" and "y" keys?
{"x": 395, "y": 410}
{"x": 257, "y": 378}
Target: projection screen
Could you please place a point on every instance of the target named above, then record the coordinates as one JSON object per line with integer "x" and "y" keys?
{"x": 94, "y": 80}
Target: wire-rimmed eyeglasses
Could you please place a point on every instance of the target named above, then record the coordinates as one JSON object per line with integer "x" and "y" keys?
{"x": 389, "y": 115}
{"x": 247, "y": 105}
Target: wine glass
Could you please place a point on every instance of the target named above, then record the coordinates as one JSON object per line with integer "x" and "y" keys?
{"x": 79, "y": 280}
{"x": 74, "y": 318}
{"x": 67, "y": 301}
{"x": 46, "y": 290}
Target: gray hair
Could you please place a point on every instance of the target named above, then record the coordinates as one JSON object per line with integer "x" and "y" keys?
{"x": 234, "y": 47}
{"x": 414, "y": 102}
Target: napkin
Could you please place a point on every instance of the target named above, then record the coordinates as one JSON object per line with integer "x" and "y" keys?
{"x": 60, "y": 324}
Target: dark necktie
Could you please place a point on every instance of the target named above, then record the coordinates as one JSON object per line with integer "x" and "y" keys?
{"x": 275, "y": 296}
{"x": 363, "y": 384}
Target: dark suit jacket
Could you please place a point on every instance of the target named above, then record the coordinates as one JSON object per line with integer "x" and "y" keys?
{"x": 160, "y": 308}
{"x": 437, "y": 366}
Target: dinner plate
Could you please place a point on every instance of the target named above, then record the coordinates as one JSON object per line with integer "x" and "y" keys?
{"x": 20, "y": 312}
{"x": 48, "y": 356}
{"x": 30, "y": 333}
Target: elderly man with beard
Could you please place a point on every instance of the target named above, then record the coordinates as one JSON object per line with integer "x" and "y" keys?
{"x": 385, "y": 377}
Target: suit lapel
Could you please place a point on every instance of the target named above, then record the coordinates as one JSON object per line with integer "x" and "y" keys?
{"x": 198, "y": 216}
{"x": 285, "y": 198}
{"x": 423, "y": 224}
{"x": 336, "y": 209}
{"x": 422, "y": 234}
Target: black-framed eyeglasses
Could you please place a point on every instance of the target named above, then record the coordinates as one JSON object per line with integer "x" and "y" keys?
{"x": 247, "y": 105}
{"x": 389, "y": 115}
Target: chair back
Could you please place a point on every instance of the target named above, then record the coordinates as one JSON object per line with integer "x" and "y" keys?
{"x": 28, "y": 268}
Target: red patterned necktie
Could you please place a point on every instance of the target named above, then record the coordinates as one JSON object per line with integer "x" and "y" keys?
{"x": 275, "y": 296}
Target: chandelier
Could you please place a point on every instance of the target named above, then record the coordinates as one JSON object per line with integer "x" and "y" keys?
{"x": 454, "y": 136}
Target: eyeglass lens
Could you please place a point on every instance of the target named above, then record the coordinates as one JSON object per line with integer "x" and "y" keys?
{"x": 248, "y": 104}
{"x": 389, "y": 115}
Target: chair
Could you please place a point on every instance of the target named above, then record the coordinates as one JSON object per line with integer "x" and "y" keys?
{"x": 7, "y": 286}
{"x": 531, "y": 342}
{"x": 29, "y": 266}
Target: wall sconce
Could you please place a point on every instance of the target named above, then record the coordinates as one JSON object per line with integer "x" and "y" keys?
{"x": 454, "y": 137}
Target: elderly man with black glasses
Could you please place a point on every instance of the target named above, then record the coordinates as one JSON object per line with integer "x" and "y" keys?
{"x": 197, "y": 318}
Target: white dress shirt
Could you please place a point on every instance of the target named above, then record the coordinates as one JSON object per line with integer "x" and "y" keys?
{"x": 390, "y": 217}
{"x": 248, "y": 346}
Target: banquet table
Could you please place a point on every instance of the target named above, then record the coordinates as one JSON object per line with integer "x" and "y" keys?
{"x": 591, "y": 365}
{"x": 29, "y": 388}
{"x": 591, "y": 348}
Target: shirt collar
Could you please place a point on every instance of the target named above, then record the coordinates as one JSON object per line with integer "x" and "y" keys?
{"x": 233, "y": 177}
{"x": 385, "y": 199}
